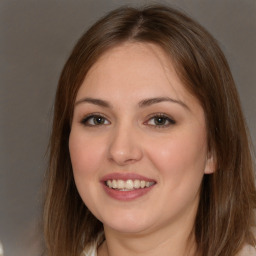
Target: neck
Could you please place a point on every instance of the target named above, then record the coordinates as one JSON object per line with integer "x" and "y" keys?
{"x": 177, "y": 243}
{"x": 173, "y": 236}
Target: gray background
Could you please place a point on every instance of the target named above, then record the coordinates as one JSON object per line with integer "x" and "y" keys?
{"x": 35, "y": 40}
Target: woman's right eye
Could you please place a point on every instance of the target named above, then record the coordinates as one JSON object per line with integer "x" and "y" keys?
{"x": 95, "y": 120}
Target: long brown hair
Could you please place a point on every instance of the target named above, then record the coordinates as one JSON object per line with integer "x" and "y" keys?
{"x": 228, "y": 197}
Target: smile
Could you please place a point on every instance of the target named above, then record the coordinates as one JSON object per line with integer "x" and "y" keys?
{"x": 128, "y": 185}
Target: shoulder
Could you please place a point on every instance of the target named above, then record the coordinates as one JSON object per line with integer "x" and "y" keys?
{"x": 247, "y": 250}
{"x": 90, "y": 251}
{"x": 1, "y": 249}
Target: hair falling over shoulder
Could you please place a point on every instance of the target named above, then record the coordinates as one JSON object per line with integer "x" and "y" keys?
{"x": 225, "y": 216}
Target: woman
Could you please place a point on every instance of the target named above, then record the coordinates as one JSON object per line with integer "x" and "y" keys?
{"x": 149, "y": 152}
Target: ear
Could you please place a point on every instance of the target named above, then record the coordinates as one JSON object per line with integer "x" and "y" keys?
{"x": 211, "y": 163}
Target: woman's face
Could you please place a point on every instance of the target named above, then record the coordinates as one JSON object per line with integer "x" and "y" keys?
{"x": 138, "y": 142}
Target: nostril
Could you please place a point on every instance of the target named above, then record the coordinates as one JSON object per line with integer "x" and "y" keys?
{"x": 125, "y": 154}
{"x": 124, "y": 147}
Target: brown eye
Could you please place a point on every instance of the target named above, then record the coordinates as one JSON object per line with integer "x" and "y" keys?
{"x": 95, "y": 120}
{"x": 160, "y": 121}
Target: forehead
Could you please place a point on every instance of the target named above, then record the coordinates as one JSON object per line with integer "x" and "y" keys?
{"x": 134, "y": 69}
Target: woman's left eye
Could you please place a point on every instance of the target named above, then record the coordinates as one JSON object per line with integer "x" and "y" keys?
{"x": 160, "y": 121}
{"x": 95, "y": 120}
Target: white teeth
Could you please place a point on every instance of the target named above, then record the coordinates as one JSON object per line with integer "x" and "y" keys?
{"x": 128, "y": 184}
{"x": 143, "y": 184}
{"x": 109, "y": 183}
{"x": 120, "y": 184}
{"x": 114, "y": 184}
{"x": 136, "y": 184}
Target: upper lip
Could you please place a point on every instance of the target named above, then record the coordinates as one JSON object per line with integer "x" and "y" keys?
{"x": 125, "y": 176}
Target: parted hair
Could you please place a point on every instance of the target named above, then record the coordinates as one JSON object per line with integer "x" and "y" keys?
{"x": 225, "y": 215}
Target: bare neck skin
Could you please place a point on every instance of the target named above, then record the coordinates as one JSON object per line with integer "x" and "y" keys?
{"x": 176, "y": 239}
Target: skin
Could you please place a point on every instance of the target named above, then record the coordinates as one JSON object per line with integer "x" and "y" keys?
{"x": 130, "y": 140}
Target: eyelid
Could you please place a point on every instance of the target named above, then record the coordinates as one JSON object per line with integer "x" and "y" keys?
{"x": 162, "y": 115}
{"x": 92, "y": 115}
{"x": 167, "y": 117}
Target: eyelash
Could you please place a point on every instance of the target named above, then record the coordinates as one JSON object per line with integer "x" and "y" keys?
{"x": 165, "y": 118}
{"x": 92, "y": 117}
{"x": 85, "y": 120}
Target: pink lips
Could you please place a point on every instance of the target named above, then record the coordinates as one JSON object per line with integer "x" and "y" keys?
{"x": 125, "y": 195}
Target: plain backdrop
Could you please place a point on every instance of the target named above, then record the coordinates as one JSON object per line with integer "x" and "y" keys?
{"x": 36, "y": 38}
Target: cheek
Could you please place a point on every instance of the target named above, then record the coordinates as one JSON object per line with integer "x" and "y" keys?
{"x": 181, "y": 159}
{"x": 85, "y": 154}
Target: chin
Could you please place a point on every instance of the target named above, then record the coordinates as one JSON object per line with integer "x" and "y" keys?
{"x": 128, "y": 229}
{"x": 127, "y": 223}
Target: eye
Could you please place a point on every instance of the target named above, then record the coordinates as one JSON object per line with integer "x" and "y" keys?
{"x": 160, "y": 121}
{"x": 95, "y": 120}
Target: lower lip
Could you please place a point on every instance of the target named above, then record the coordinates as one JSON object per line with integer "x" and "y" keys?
{"x": 126, "y": 195}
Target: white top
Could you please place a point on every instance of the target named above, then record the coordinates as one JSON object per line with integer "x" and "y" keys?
{"x": 246, "y": 251}
{"x": 91, "y": 252}
{"x": 2, "y": 250}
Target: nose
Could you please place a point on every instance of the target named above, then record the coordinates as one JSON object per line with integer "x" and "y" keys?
{"x": 125, "y": 147}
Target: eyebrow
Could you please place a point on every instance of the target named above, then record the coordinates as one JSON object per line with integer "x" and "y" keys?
{"x": 94, "y": 101}
{"x": 142, "y": 104}
{"x": 151, "y": 101}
